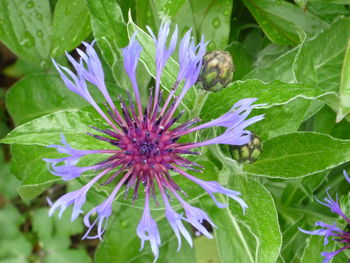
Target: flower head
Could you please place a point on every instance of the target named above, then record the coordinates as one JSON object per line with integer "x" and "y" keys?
{"x": 332, "y": 230}
{"x": 146, "y": 143}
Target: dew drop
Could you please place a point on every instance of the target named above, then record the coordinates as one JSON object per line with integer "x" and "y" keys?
{"x": 67, "y": 10}
{"x": 28, "y": 40}
{"x": 211, "y": 46}
{"x": 216, "y": 22}
{"x": 30, "y": 4}
{"x": 44, "y": 64}
{"x": 227, "y": 12}
{"x": 39, "y": 16}
{"x": 278, "y": 2}
{"x": 39, "y": 33}
{"x": 54, "y": 51}
{"x": 125, "y": 223}
{"x": 149, "y": 14}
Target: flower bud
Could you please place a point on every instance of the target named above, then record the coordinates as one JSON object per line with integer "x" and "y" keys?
{"x": 217, "y": 70}
{"x": 249, "y": 152}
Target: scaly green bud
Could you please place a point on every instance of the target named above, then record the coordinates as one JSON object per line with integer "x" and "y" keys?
{"x": 249, "y": 152}
{"x": 217, "y": 70}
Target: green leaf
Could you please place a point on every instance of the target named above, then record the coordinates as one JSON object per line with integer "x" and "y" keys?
{"x": 54, "y": 234}
{"x": 8, "y": 183}
{"x": 313, "y": 250}
{"x": 344, "y": 92}
{"x": 25, "y": 27}
{"x": 110, "y": 31}
{"x": 121, "y": 244}
{"x": 242, "y": 61}
{"x": 46, "y": 130}
{"x": 284, "y": 119}
{"x": 147, "y": 13}
{"x": 273, "y": 94}
{"x": 11, "y": 238}
{"x": 170, "y": 8}
{"x": 27, "y": 165}
{"x": 261, "y": 217}
{"x": 212, "y": 19}
{"x": 185, "y": 254}
{"x": 281, "y": 20}
{"x": 299, "y": 154}
{"x": 42, "y": 93}
{"x": 71, "y": 25}
{"x": 320, "y": 60}
{"x": 279, "y": 69}
{"x": 254, "y": 236}
{"x": 39, "y": 94}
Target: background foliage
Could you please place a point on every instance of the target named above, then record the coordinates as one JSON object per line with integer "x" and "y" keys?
{"x": 292, "y": 55}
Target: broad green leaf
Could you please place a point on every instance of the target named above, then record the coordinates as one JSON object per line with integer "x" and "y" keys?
{"x": 313, "y": 250}
{"x": 11, "y": 239}
{"x": 254, "y": 236}
{"x": 319, "y": 60}
{"x": 327, "y": 10}
{"x": 121, "y": 244}
{"x": 212, "y": 19}
{"x": 27, "y": 165}
{"x": 297, "y": 190}
{"x": 339, "y": 2}
{"x": 10, "y": 221}
{"x": 284, "y": 119}
{"x": 235, "y": 243}
{"x": 206, "y": 250}
{"x": 71, "y": 25}
{"x": 273, "y": 94}
{"x": 39, "y": 94}
{"x": 281, "y": 20}
{"x": 8, "y": 183}
{"x": 110, "y": 31}
{"x": 299, "y": 154}
{"x": 268, "y": 54}
{"x": 344, "y": 92}
{"x": 171, "y": 69}
{"x": 46, "y": 130}
{"x": 147, "y": 13}
{"x": 25, "y": 27}
{"x": 54, "y": 233}
{"x": 261, "y": 217}
{"x": 169, "y": 7}
{"x": 279, "y": 69}
{"x": 185, "y": 254}
{"x": 241, "y": 59}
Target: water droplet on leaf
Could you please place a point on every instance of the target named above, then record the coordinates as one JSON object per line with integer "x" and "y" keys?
{"x": 30, "y": 4}
{"x": 28, "y": 40}
{"x": 44, "y": 64}
{"x": 39, "y": 16}
{"x": 67, "y": 10}
{"x": 39, "y": 33}
{"x": 211, "y": 46}
{"x": 216, "y": 22}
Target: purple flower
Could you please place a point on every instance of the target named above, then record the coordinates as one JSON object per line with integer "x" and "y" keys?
{"x": 331, "y": 230}
{"x": 146, "y": 141}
